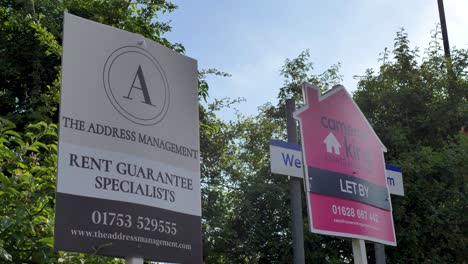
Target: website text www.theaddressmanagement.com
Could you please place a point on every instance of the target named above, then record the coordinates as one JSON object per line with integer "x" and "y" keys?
{"x": 123, "y": 237}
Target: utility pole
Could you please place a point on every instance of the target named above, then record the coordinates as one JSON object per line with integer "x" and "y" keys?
{"x": 452, "y": 91}
{"x": 295, "y": 191}
{"x": 443, "y": 25}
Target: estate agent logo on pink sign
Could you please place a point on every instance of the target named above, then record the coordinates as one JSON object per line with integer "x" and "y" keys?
{"x": 345, "y": 173}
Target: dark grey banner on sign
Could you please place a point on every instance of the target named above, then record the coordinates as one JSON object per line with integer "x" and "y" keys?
{"x": 348, "y": 187}
{"x": 114, "y": 228}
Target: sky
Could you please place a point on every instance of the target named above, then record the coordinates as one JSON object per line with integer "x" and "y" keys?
{"x": 251, "y": 39}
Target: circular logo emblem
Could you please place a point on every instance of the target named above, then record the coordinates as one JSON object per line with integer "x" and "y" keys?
{"x": 136, "y": 85}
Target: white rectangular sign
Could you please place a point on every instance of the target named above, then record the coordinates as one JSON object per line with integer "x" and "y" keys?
{"x": 394, "y": 179}
{"x": 129, "y": 165}
{"x": 286, "y": 158}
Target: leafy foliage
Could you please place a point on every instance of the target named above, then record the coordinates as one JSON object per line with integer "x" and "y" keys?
{"x": 298, "y": 71}
{"x": 410, "y": 104}
{"x": 417, "y": 109}
{"x": 30, "y": 47}
{"x": 28, "y": 171}
{"x": 431, "y": 220}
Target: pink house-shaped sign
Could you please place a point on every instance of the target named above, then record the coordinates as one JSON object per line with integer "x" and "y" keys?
{"x": 344, "y": 166}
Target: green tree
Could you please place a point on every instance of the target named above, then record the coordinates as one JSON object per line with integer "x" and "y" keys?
{"x": 417, "y": 108}
{"x": 410, "y": 103}
{"x": 28, "y": 169}
{"x": 30, "y": 47}
{"x": 27, "y": 191}
{"x": 299, "y": 70}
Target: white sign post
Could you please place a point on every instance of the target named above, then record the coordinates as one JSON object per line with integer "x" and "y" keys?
{"x": 129, "y": 167}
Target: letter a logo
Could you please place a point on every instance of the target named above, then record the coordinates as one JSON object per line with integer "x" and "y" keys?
{"x": 136, "y": 85}
{"x": 143, "y": 88}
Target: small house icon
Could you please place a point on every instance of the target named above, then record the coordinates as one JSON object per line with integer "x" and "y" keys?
{"x": 333, "y": 146}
